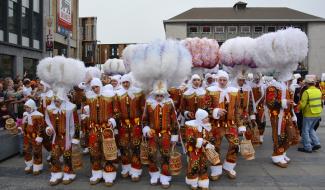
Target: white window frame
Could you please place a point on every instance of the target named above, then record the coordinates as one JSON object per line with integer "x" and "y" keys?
{"x": 218, "y": 32}
{"x": 245, "y": 32}
{"x": 254, "y": 27}
{"x": 267, "y": 28}
{"x": 206, "y": 32}
{"x": 229, "y": 32}
{"x": 197, "y": 29}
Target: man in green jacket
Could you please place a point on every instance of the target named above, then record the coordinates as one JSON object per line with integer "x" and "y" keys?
{"x": 311, "y": 106}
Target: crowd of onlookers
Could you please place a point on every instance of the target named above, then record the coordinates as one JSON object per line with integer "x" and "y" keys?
{"x": 13, "y": 94}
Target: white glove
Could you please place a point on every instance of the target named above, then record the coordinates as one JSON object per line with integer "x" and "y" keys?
{"x": 215, "y": 113}
{"x": 83, "y": 116}
{"x": 39, "y": 139}
{"x": 241, "y": 129}
{"x": 209, "y": 146}
{"x": 75, "y": 141}
{"x": 284, "y": 103}
{"x": 112, "y": 121}
{"x": 199, "y": 142}
{"x": 186, "y": 115}
{"x": 174, "y": 138}
{"x": 20, "y": 130}
{"x": 145, "y": 131}
{"x": 49, "y": 131}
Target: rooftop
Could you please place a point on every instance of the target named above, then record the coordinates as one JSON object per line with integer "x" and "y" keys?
{"x": 243, "y": 13}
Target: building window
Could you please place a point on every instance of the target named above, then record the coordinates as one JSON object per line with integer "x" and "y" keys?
{"x": 220, "y": 29}
{"x": 258, "y": 29}
{"x": 88, "y": 50}
{"x": 206, "y": 29}
{"x": 36, "y": 6}
{"x": 2, "y": 16}
{"x": 12, "y": 20}
{"x": 37, "y": 25}
{"x": 282, "y": 27}
{"x": 245, "y": 29}
{"x": 6, "y": 65}
{"x": 1, "y": 35}
{"x": 270, "y": 29}
{"x": 232, "y": 29}
{"x": 193, "y": 29}
{"x": 25, "y": 22}
{"x": 30, "y": 66}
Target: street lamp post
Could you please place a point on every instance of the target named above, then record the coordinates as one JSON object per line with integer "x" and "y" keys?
{"x": 98, "y": 54}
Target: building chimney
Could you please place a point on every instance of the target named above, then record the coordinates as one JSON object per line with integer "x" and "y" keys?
{"x": 240, "y": 5}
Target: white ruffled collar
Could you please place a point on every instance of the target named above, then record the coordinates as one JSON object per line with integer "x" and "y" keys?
{"x": 27, "y": 116}
{"x": 198, "y": 91}
{"x": 245, "y": 87}
{"x": 154, "y": 103}
{"x": 131, "y": 91}
{"x": 106, "y": 92}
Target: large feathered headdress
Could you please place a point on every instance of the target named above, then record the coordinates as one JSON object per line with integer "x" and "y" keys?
{"x": 165, "y": 60}
{"x": 280, "y": 52}
{"x": 114, "y": 67}
{"x": 204, "y": 51}
{"x": 61, "y": 73}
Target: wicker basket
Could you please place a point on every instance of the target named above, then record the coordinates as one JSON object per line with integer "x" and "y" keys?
{"x": 175, "y": 162}
{"x": 11, "y": 126}
{"x": 76, "y": 157}
{"x": 109, "y": 144}
{"x": 293, "y": 135}
{"x": 256, "y": 136}
{"x": 247, "y": 149}
{"x": 212, "y": 155}
{"x": 144, "y": 151}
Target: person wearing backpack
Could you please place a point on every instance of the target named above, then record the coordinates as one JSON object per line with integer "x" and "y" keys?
{"x": 311, "y": 107}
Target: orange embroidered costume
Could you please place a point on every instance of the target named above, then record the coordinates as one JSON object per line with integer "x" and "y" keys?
{"x": 282, "y": 117}
{"x": 193, "y": 98}
{"x": 258, "y": 89}
{"x": 130, "y": 105}
{"x": 198, "y": 137}
{"x": 225, "y": 125}
{"x": 161, "y": 129}
{"x": 60, "y": 119}
{"x": 102, "y": 113}
{"x": 33, "y": 125}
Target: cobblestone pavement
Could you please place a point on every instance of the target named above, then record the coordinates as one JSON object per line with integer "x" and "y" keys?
{"x": 306, "y": 171}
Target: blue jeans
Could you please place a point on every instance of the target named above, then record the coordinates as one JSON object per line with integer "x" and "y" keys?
{"x": 309, "y": 137}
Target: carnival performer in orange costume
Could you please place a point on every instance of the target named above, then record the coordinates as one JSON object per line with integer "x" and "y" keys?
{"x": 102, "y": 114}
{"x": 131, "y": 102}
{"x": 161, "y": 129}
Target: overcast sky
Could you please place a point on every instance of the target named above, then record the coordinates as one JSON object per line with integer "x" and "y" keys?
{"x": 140, "y": 21}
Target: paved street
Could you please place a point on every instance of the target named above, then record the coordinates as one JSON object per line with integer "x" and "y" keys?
{"x": 306, "y": 171}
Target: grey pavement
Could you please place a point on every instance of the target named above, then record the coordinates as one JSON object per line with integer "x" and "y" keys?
{"x": 306, "y": 171}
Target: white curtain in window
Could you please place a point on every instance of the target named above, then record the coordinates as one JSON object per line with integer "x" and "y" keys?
{"x": 36, "y": 6}
{"x": 25, "y": 3}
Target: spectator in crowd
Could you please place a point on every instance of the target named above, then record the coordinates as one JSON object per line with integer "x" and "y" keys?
{"x": 27, "y": 89}
{"x": 2, "y": 99}
{"x": 311, "y": 107}
{"x": 297, "y": 96}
